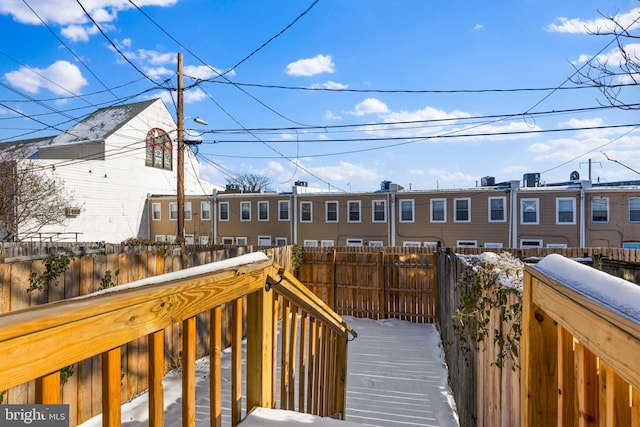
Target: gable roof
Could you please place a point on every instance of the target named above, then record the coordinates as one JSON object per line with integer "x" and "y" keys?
{"x": 100, "y": 124}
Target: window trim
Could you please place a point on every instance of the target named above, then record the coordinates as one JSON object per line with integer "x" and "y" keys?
{"x": 262, "y": 203}
{"x": 431, "y": 210}
{"x": 597, "y": 199}
{"x": 375, "y": 243}
{"x": 173, "y": 209}
{"x": 537, "y": 204}
{"x": 242, "y": 239}
{"x": 359, "y": 204}
{"x": 220, "y": 218}
{"x": 411, "y": 244}
{"x": 204, "y": 217}
{"x": 637, "y": 199}
{"x": 493, "y": 245}
{"x": 327, "y": 243}
{"x": 242, "y": 211}
{"x": 455, "y": 210}
{"x": 354, "y": 242}
{"x": 538, "y": 241}
{"x": 462, "y": 243}
{"x": 310, "y": 243}
{"x": 281, "y": 241}
{"x": 490, "y": 211}
{"x": 188, "y": 211}
{"x": 155, "y": 138}
{"x": 384, "y": 211}
{"x": 327, "y": 203}
{"x": 155, "y": 205}
{"x": 228, "y": 240}
{"x": 160, "y": 238}
{"x": 573, "y": 210}
{"x": 412, "y": 202}
{"x": 264, "y": 237}
{"x": 310, "y": 204}
{"x": 280, "y": 202}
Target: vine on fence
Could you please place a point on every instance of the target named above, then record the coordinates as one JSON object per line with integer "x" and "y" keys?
{"x": 54, "y": 266}
{"x": 486, "y": 290}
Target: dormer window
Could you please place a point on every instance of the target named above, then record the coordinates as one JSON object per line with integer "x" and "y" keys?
{"x": 158, "y": 149}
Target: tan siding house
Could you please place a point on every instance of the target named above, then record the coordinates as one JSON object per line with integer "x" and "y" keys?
{"x": 575, "y": 214}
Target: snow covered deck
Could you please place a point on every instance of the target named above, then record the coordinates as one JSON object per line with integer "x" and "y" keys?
{"x": 396, "y": 377}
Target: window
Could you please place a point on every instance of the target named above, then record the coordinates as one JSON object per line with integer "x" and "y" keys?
{"x": 565, "y": 210}
{"x": 281, "y": 241}
{"x": 438, "y": 210}
{"x": 311, "y": 243}
{"x": 631, "y": 245}
{"x": 205, "y": 211}
{"x": 189, "y": 239}
{"x": 430, "y": 244}
{"x": 634, "y": 209}
{"x": 410, "y": 244}
{"x": 161, "y": 238}
{"x": 305, "y": 212}
{"x": 463, "y": 210}
{"x": 326, "y": 243}
{"x": 204, "y": 240}
{"x": 331, "y": 211}
{"x": 529, "y": 211}
{"x": 354, "y": 242}
{"x": 264, "y": 240}
{"x": 406, "y": 210}
{"x": 283, "y": 210}
{"x": 497, "y": 209}
{"x": 263, "y": 211}
{"x": 376, "y": 243}
{"x": 173, "y": 211}
{"x": 158, "y": 149}
{"x": 241, "y": 241}
{"x": 530, "y": 243}
{"x": 171, "y": 238}
{"x": 600, "y": 210}
{"x": 379, "y": 209}
{"x": 245, "y": 211}
{"x": 556, "y": 245}
{"x": 467, "y": 243}
{"x": 354, "y": 210}
{"x": 187, "y": 212}
{"x": 492, "y": 245}
{"x": 155, "y": 211}
{"x": 227, "y": 240}
{"x": 223, "y": 209}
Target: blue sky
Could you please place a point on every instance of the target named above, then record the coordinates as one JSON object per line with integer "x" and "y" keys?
{"x": 339, "y": 93}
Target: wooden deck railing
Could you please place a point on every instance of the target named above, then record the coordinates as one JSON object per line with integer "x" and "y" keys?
{"x": 36, "y": 343}
{"x": 580, "y": 354}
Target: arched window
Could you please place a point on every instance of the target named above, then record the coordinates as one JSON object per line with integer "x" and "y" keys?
{"x": 158, "y": 150}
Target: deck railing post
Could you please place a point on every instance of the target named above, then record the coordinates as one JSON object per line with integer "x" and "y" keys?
{"x": 260, "y": 340}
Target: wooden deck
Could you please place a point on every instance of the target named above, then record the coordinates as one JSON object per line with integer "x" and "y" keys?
{"x": 397, "y": 375}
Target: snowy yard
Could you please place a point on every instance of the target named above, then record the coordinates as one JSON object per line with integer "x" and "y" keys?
{"x": 396, "y": 377}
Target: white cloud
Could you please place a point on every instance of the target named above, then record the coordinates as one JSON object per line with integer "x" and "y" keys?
{"x": 330, "y": 116}
{"x": 514, "y": 168}
{"x": 330, "y": 85}
{"x": 311, "y": 66}
{"x": 369, "y": 106}
{"x": 442, "y": 175}
{"x": 343, "y": 172}
{"x": 580, "y": 26}
{"x": 61, "y": 78}
{"x": 204, "y": 72}
{"x": 67, "y": 14}
{"x": 478, "y": 27}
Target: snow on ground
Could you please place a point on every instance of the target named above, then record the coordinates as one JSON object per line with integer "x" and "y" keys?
{"x": 396, "y": 377}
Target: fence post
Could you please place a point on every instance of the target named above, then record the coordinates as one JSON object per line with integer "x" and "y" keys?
{"x": 381, "y": 286}
{"x": 539, "y": 356}
{"x": 259, "y": 350}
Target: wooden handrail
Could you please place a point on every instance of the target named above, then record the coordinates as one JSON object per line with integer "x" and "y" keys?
{"x": 577, "y": 348}
{"x": 35, "y": 343}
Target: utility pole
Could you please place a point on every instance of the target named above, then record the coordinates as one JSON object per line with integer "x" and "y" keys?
{"x": 180, "y": 141}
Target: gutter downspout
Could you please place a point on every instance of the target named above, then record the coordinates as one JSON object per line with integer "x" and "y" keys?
{"x": 513, "y": 217}
{"x": 214, "y": 215}
{"x": 295, "y": 215}
{"x": 393, "y": 219}
{"x": 583, "y": 185}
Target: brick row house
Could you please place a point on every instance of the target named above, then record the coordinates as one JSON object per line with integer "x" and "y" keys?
{"x": 509, "y": 215}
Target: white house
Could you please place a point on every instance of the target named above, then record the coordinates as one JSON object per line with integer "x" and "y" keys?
{"x": 110, "y": 162}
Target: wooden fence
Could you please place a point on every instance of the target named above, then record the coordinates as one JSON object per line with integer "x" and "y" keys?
{"x": 86, "y": 274}
{"x": 375, "y": 283}
{"x": 98, "y": 327}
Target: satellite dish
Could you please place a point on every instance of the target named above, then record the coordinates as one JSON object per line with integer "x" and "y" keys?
{"x": 574, "y": 176}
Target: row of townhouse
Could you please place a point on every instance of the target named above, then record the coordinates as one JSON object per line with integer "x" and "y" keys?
{"x": 574, "y": 214}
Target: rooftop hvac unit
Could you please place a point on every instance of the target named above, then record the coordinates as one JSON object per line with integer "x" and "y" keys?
{"x": 488, "y": 181}
{"x": 301, "y": 184}
{"x": 531, "y": 179}
{"x": 384, "y": 185}
{"x": 71, "y": 212}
